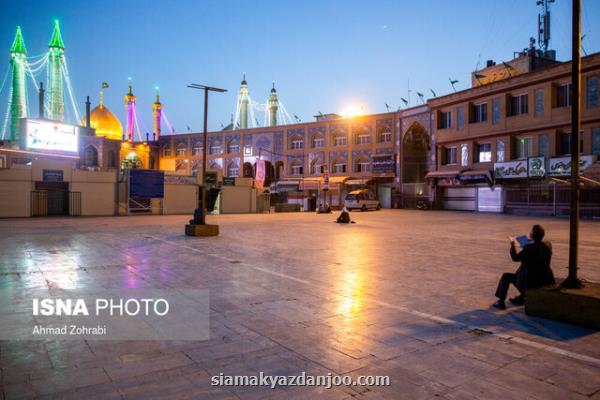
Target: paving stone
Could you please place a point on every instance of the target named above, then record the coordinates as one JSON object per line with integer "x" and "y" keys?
{"x": 304, "y": 296}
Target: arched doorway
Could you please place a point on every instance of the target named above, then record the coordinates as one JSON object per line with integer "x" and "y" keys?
{"x": 415, "y": 150}
{"x": 132, "y": 160}
{"x": 91, "y": 156}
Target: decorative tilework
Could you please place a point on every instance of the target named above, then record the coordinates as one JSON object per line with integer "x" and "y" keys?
{"x": 313, "y": 156}
{"x": 356, "y": 153}
{"x": 384, "y": 150}
{"x": 317, "y": 129}
{"x": 338, "y": 129}
{"x": 215, "y": 163}
{"x": 229, "y": 138}
{"x": 338, "y": 155}
{"x": 295, "y": 131}
{"x": 278, "y": 145}
{"x": 214, "y": 140}
{"x": 384, "y": 125}
{"x": 181, "y": 143}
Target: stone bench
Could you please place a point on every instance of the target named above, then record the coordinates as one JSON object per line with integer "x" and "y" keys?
{"x": 576, "y": 306}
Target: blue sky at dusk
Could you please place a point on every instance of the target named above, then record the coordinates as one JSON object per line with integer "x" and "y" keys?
{"x": 322, "y": 55}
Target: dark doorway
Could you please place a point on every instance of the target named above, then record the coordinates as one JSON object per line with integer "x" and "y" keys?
{"x": 57, "y": 195}
{"x": 414, "y": 151}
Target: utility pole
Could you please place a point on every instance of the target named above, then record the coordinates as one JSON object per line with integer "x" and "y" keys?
{"x": 205, "y": 140}
{"x": 572, "y": 280}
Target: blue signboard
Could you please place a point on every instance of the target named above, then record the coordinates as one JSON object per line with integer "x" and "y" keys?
{"x": 384, "y": 164}
{"x": 53, "y": 175}
{"x": 147, "y": 184}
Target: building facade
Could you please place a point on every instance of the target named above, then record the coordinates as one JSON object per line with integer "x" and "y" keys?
{"x": 317, "y": 161}
{"x": 505, "y": 145}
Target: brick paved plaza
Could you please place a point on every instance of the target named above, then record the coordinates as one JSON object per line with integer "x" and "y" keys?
{"x": 401, "y": 293}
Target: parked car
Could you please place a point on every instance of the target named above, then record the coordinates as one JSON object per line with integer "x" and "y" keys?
{"x": 362, "y": 200}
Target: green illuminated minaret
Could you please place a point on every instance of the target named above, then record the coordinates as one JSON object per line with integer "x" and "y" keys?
{"x": 18, "y": 100}
{"x": 56, "y": 104}
{"x": 273, "y": 106}
{"x": 244, "y": 101}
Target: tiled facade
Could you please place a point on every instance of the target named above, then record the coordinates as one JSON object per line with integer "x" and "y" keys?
{"x": 316, "y": 147}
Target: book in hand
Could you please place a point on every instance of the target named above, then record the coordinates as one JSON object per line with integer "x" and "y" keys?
{"x": 523, "y": 240}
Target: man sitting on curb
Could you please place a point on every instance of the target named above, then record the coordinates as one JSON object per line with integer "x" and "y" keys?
{"x": 534, "y": 271}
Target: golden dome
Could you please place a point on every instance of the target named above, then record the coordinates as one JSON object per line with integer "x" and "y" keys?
{"x": 105, "y": 123}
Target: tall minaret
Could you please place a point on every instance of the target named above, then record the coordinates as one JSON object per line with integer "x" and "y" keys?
{"x": 18, "y": 99}
{"x": 56, "y": 51}
{"x": 243, "y": 102}
{"x": 273, "y": 106}
{"x": 130, "y": 108}
{"x": 156, "y": 115}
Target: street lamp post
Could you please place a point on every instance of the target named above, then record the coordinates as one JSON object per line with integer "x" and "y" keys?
{"x": 204, "y": 150}
{"x": 572, "y": 280}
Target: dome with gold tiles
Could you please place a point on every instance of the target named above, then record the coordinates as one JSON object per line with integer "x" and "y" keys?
{"x": 105, "y": 123}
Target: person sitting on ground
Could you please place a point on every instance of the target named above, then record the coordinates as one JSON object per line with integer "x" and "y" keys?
{"x": 534, "y": 271}
{"x": 344, "y": 217}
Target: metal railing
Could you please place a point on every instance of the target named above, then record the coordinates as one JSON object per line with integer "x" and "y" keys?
{"x": 39, "y": 203}
{"x": 75, "y": 204}
{"x": 44, "y": 203}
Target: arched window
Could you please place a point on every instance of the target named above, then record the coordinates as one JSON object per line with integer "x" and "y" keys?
{"x": 233, "y": 170}
{"x": 297, "y": 142}
{"x": 317, "y": 141}
{"x": 197, "y": 147}
{"x": 338, "y": 166}
{"x": 215, "y": 147}
{"x": 362, "y": 164}
{"x": 233, "y": 147}
{"x": 340, "y": 139}
{"x": 362, "y": 136}
{"x": 181, "y": 149}
{"x": 91, "y": 156}
{"x": 384, "y": 134}
{"x": 296, "y": 167}
{"x": 316, "y": 166}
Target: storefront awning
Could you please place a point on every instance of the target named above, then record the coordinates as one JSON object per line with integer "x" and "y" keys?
{"x": 476, "y": 176}
{"x": 453, "y": 173}
{"x": 287, "y": 183}
{"x": 357, "y": 182}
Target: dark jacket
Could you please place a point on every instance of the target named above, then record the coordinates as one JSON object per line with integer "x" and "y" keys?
{"x": 534, "y": 271}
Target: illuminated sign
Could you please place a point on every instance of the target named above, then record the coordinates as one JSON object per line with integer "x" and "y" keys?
{"x": 561, "y": 166}
{"x": 51, "y": 135}
{"x": 511, "y": 169}
{"x": 536, "y": 167}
